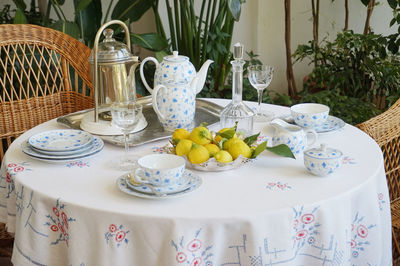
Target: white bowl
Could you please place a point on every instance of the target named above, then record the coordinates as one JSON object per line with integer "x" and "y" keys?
{"x": 309, "y": 115}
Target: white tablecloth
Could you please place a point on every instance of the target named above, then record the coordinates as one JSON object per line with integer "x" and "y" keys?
{"x": 269, "y": 212}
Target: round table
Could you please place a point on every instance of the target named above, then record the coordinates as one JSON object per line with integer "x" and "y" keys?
{"x": 268, "y": 212}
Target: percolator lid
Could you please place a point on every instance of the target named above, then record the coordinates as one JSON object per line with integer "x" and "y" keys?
{"x": 110, "y": 50}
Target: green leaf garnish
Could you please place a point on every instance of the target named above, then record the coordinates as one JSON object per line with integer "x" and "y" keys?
{"x": 282, "y": 150}
{"x": 259, "y": 149}
{"x": 227, "y": 134}
{"x": 203, "y": 124}
{"x": 251, "y": 139}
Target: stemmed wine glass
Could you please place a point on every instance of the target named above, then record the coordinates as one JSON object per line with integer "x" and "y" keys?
{"x": 260, "y": 77}
{"x": 125, "y": 116}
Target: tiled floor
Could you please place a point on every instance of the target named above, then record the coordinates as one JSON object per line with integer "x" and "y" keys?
{"x": 5, "y": 261}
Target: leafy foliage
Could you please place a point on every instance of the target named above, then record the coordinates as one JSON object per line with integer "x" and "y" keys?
{"x": 352, "y": 75}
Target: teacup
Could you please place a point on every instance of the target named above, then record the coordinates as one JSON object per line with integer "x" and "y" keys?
{"x": 309, "y": 115}
{"x": 161, "y": 169}
{"x": 322, "y": 161}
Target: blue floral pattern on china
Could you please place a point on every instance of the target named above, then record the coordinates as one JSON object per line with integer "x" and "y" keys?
{"x": 322, "y": 161}
{"x": 186, "y": 181}
{"x": 60, "y": 140}
{"x": 175, "y": 105}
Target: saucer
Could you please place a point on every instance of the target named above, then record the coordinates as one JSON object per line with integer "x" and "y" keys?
{"x": 123, "y": 186}
{"x": 188, "y": 179}
{"x": 97, "y": 145}
{"x": 60, "y": 140}
{"x": 332, "y": 123}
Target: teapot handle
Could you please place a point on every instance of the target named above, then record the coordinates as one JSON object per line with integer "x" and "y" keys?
{"x": 161, "y": 117}
{"x": 142, "y": 73}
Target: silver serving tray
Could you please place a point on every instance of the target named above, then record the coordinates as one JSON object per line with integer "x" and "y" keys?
{"x": 205, "y": 112}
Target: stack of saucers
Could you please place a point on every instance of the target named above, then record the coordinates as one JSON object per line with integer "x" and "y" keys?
{"x": 62, "y": 145}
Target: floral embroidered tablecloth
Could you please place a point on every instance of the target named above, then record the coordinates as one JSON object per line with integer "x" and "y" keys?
{"x": 269, "y": 212}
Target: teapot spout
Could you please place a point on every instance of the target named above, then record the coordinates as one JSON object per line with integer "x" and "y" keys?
{"x": 202, "y": 75}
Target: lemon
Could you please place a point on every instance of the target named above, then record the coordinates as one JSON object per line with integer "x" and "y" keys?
{"x": 218, "y": 138}
{"x": 212, "y": 149}
{"x": 239, "y": 147}
{"x": 200, "y": 135}
{"x": 198, "y": 154}
{"x": 230, "y": 142}
{"x": 223, "y": 157}
{"x": 180, "y": 133}
{"x": 183, "y": 147}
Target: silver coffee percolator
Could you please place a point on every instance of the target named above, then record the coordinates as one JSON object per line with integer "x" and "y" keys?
{"x": 113, "y": 69}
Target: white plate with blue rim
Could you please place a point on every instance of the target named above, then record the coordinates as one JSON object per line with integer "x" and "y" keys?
{"x": 96, "y": 145}
{"x": 190, "y": 182}
{"x": 331, "y": 124}
{"x": 60, "y": 140}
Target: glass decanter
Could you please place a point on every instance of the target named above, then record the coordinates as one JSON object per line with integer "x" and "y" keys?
{"x": 237, "y": 110}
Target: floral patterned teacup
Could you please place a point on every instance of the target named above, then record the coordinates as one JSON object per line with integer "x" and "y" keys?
{"x": 309, "y": 115}
{"x": 160, "y": 169}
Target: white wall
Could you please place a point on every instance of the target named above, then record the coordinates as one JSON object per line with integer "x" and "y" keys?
{"x": 261, "y": 29}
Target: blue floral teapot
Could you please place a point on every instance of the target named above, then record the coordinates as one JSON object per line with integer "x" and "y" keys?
{"x": 175, "y": 68}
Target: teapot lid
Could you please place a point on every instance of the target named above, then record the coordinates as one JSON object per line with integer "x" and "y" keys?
{"x": 111, "y": 50}
{"x": 323, "y": 153}
{"x": 176, "y": 58}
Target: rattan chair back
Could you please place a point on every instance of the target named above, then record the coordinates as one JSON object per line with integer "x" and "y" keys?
{"x": 44, "y": 74}
{"x": 385, "y": 130}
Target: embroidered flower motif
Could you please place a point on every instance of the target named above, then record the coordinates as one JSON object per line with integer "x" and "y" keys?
{"x": 193, "y": 251}
{"x": 380, "y": 196}
{"x": 65, "y": 219}
{"x": 353, "y": 243}
{"x": 11, "y": 165}
{"x": 194, "y": 245}
{"x": 181, "y": 257}
{"x": 19, "y": 169}
{"x": 301, "y": 234}
{"x": 116, "y": 234}
{"x": 307, "y": 218}
{"x": 112, "y": 228}
{"x": 362, "y": 231}
{"x": 120, "y": 235}
{"x": 55, "y": 211}
{"x": 54, "y": 228}
{"x": 60, "y": 223}
{"x": 196, "y": 261}
{"x": 355, "y": 253}
{"x": 8, "y": 177}
{"x": 311, "y": 240}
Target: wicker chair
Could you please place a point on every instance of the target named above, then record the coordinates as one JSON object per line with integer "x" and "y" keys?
{"x": 385, "y": 130}
{"x": 43, "y": 74}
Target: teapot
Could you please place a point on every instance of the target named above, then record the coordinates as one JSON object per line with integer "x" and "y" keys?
{"x": 295, "y": 137}
{"x": 175, "y": 104}
{"x": 177, "y": 68}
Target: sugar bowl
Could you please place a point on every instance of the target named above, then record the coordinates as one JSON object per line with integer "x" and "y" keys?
{"x": 322, "y": 161}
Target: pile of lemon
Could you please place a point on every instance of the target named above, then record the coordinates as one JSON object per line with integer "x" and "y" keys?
{"x": 200, "y": 144}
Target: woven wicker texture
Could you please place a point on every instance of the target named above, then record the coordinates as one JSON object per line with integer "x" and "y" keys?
{"x": 385, "y": 130}
{"x": 43, "y": 74}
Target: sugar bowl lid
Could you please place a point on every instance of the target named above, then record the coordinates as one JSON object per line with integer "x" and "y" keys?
{"x": 323, "y": 153}
{"x": 111, "y": 50}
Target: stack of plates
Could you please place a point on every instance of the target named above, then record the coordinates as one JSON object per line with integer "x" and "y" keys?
{"x": 62, "y": 145}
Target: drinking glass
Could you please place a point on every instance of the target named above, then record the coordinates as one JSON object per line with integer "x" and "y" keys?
{"x": 125, "y": 116}
{"x": 260, "y": 77}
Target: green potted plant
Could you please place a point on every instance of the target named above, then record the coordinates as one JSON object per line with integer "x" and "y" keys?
{"x": 352, "y": 69}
